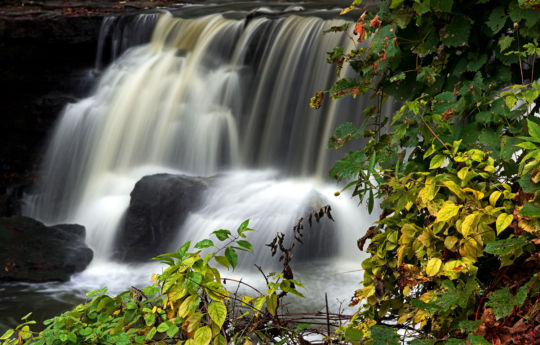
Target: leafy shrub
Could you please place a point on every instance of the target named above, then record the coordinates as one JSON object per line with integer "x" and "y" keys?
{"x": 454, "y": 257}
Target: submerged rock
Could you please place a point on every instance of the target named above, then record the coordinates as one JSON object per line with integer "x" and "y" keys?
{"x": 159, "y": 205}
{"x": 32, "y": 251}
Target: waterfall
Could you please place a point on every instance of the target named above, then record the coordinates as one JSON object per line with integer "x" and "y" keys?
{"x": 204, "y": 95}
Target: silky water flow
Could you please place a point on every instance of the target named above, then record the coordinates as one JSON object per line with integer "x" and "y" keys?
{"x": 208, "y": 96}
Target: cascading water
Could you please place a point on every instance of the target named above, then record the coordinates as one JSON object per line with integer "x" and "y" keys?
{"x": 207, "y": 95}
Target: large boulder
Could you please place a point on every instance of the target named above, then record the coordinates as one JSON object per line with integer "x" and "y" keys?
{"x": 31, "y": 251}
{"x": 159, "y": 205}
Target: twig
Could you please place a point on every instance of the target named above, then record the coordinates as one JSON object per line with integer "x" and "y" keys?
{"x": 327, "y": 314}
{"x": 241, "y": 282}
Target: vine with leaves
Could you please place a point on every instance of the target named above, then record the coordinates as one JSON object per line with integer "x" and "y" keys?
{"x": 454, "y": 258}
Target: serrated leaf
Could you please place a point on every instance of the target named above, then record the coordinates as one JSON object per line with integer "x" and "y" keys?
{"x": 457, "y": 33}
{"x": 502, "y": 302}
{"x": 534, "y": 130}
{"x": 204, "y": 244}
{"x": 433, "y": 266}
{"x": 497, "y": 19}
{"x": 503, "y": 221}
{"x": 530, "y": 210}
{"x": 505, "y": 42}
{"x": 383, "y": 335}
{"x": 217, "y": 312}
{"x": 231, "y": 256}
{"x": 505, "y": 247}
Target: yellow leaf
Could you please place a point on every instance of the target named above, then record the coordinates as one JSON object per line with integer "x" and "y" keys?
{"x": 454, "y": 188}
{"x": 503, "y": 221}
{"x": 433, "y": 266}
{"x": 436, "y": 161}
{"x": 462, "y": 174}
{"x": 347, "y": 10}
{"x": 450, "y": 242}
{"x": 271, "y": 304}
{"x": 469, "y": 224}
{"x": 489, "y": 169}
{"x": 184, "y": 308}
{"x": 447, "y": 211}
{"x": 203, "y": 336}
{"x": 220, "y": 340}
{"x": 477, "y": 194}
{"x": 217, "y": 312}
{"x": 429, "y": 191}
{"x": 400, "y": 254}
{"x": 494, "y": 197}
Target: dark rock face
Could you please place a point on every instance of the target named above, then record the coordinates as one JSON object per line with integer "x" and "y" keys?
{"x": 158, "y": 207}
{"x": 31, "y": 251}
{"x": 44, "y": 60}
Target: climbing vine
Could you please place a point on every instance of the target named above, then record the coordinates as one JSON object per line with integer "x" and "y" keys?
{"x": 454, "y": 257}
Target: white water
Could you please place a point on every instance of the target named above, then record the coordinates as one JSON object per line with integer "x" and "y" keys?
{"x": 206, "y": 95}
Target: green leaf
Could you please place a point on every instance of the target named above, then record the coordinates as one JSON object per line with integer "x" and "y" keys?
{"x": 182, "y": 250}
{"x": 371, "y": 201}
{"x": 353, "y": 334}
{"x": 436, "y": 161}
{"x": 220, "y": 340}
{"x": 505, "y": 42}
{"x": 497, "y": 19}
{"x": 231, "y": 256}
{"x": 172, "y": 331}
{"x": 202, "y": 336}
{"x": 530, "y": 210}
{"x": 476, "y": 64}
{"x": 222, "y": 234}
{"x": 534, "y": 130}
{"x": 243, "y": 227}
{"x": 149, "y": 319}
{"x": 507, "y": 250}
{"x": 477, "y": 340}
{"x": 502, "y": 302}
{"x": 7, "y": 334}
{"x": 217, "y": 312}
{"x": 468, "y": 326}
{"x": 163, "y": 327}
{"x": 503, "y": 221}
{"x": 433, "y": 266}
{"x": 442, "y": 5}
{"x": 457, "y": 33}
{"x": 396, "y": 3}
{"x": 383, "y": 335}
{"x": 204, "y": 244}
{"x": 222, "y": 261}
{"x": 245, "y": 244}
{"x": 151, "y": 333}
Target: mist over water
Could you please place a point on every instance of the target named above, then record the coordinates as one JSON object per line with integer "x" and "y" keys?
{"x": 211, "y": 95}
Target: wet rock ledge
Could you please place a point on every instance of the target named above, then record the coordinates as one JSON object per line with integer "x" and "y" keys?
{"x": 31, "y": 251}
